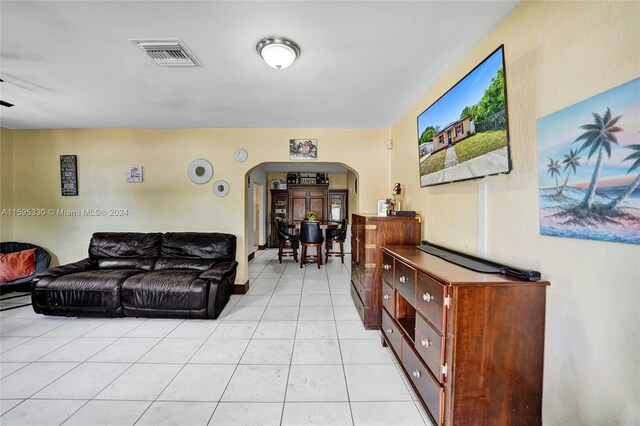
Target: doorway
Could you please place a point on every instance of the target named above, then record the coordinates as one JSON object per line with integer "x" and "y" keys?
{"x": 258, "y": 217}
{"x": 268, "y": 180}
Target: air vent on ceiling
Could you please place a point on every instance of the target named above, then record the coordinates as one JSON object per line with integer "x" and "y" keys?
{"x": 168, "y": 52}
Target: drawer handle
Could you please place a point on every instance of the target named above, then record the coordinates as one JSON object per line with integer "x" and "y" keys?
{"x": 402, "y": 279}
{"x": 386, "y": 267}
{"x": 426, "y": 343}
{"x": 427, "y": 297}
{"x": 389, "y": 331}
{"x": 386, "y": 297}
{"x": 416, "y": 374}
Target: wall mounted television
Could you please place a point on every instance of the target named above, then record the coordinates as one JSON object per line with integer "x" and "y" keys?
{"x": 465, "y": 133}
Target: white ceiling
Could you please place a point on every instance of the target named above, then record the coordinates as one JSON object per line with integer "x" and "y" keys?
{"x": 70, "y": 64}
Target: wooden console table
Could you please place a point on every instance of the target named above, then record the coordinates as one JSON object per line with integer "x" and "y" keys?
{"x": 471, "y": 344}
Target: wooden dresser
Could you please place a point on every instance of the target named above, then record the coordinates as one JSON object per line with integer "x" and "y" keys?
{"x": 368, "y": 234}
{"x": 471, "y": 344}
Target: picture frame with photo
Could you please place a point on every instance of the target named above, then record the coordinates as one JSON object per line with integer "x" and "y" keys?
{"x": 303, "y": 149}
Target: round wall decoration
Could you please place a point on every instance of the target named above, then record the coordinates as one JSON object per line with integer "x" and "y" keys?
{"x": 240, "y": 154}
{"x": 221, "y": 188}
{"x": 200, "y": 171}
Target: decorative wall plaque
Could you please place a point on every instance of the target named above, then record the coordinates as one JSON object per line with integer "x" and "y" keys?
{"x": 134, "y": 174}
{"x": 69, "y": 175}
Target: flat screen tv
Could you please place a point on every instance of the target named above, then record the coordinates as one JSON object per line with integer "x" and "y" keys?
{"x": 465, "y": 134}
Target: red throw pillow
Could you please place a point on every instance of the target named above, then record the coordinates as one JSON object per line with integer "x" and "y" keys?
{"x": 14, "y": 266}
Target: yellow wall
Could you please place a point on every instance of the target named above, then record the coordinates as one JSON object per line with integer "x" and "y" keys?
{"x": 557, "y": 54}
{"x": 6, "y": 184}
{"x": 167, "y": 200}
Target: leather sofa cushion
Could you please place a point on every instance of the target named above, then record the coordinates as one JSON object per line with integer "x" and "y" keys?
{"x": 70, "y": 268}
{"x": 165, "y": 290}
{"x": 98, "y": 289}
{"x": 126, "y": 263}
{"x": 199, "y": 245}
{"x": 125, "y": 244}
{"x": 219, "y": 271}
{"x": 178, "y": 263}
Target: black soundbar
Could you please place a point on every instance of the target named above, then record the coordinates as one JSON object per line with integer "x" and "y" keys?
{"x": 478, "y": 264}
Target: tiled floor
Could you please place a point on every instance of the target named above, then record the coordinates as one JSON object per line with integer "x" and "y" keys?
{"x": 292, "y": 351}
{"x": 14, "y": 300}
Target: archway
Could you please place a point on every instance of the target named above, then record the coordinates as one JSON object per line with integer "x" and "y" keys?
{"x": 340, "y": 176}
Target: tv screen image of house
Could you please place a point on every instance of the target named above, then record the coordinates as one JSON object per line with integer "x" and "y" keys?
{"x": 465, "y": 134}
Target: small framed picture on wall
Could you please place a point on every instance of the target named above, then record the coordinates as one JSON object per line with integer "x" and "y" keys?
{"x": 303, "y": 149}
{"x": 134, "y": 174}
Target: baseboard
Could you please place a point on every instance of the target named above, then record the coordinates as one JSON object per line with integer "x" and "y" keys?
{"x": 263, "y": 247}
{"x": 241, "y": 288}
{"x": 250, "y": 257}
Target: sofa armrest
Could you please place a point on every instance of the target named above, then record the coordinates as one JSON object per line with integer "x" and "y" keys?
{"x": 69, "y": 268}
{"x": 220, "y": 271}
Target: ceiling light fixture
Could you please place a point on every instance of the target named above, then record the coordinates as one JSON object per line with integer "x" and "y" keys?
{"x": 278, "y": 52}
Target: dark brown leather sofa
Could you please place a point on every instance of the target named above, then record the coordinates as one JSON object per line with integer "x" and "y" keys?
{"x": 175, "y": 274}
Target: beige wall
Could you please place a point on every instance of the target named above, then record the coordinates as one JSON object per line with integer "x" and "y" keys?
{"x": 6, "y": 184}
{"x": 166, "y": 200}
{"x": 557, "y": 53}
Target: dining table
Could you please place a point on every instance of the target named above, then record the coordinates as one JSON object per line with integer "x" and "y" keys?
{"x": 324, "y": 224}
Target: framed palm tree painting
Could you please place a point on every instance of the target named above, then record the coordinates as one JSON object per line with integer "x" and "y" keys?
{"x": 589, "y": 167}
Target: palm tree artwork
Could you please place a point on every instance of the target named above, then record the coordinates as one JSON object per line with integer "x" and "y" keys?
{"x": 636, "y": 182}
{"x": 589, "y": 167}
{"x": 598, "y": 138}
{"x": 554, "y": 170}
{"x": 571, "y": 163}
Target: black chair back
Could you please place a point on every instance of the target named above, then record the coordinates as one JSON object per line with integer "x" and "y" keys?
{"x": 339, "y": 233}
{"x": 310, "y": 233}
{"x": 282, "y": 230}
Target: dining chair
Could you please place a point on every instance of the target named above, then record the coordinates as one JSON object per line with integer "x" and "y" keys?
{"x": 336, "y": 236}
{"x": 310, "y": 236}
{"x": 288, "y": 243}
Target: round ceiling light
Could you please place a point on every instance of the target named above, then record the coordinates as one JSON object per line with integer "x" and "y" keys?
{"x": 278, "y": 52}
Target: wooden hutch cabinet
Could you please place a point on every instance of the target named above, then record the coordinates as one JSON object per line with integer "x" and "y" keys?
{"x": 304, "y": 198}
{"x": 368, "y": 234}
{"x": 470, "y": 343}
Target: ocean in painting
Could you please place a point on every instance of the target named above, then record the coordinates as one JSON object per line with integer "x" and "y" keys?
{"x": 622, "y": 230}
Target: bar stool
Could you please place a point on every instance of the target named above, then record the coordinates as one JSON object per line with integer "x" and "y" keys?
{"x": 287, "y": 242}
{"x": 336, "y": 236}
{"x": 310, "y": 236}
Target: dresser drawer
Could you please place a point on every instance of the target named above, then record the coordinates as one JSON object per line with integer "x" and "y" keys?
{"x": 429, "y": 390}
{"x": 387, "y": 268}
{"x": 355, "y": 272}
{"x": 360, "y": 288}
{"x": 391, "y": 331}
{"x": 404, "y": 281}
{"x": 430, "y": 346}
{"x": 388, "y": 301}
{"x": 358, "y": 302}
{"x": 430, "y": 299}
